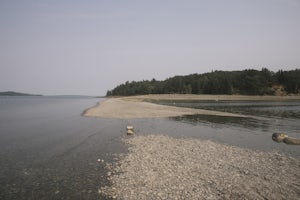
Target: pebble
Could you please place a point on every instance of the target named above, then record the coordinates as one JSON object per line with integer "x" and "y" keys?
{"x": 162, "y": 167}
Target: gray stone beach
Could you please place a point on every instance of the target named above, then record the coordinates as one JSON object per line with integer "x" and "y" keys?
{"x": 162, "y": 167}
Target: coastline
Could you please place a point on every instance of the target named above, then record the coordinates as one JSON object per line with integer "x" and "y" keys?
{"x": 122, "y": 108}
{"x": 164, "y": 167}
{"x": 141, "y": 107}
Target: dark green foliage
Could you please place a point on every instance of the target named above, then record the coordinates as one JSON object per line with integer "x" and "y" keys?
{"x": 290, "y": 79}
{"x": 255, "y": 82}
{"x": 246, "y": 82}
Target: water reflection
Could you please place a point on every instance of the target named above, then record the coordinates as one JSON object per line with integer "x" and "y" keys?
{"x": 221, "y": 121}
{"x": 268, "y": 116}
{"x": 49, "y": 151}
{"x": 273, "y": 109}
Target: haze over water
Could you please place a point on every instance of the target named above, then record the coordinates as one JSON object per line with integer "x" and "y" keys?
{"x": 89, "y": 47}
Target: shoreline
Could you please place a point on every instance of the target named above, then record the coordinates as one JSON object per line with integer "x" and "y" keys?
{"x": 163, "y": 167}
{"x": 129, "y": 108}
{"x": 209, "y": 97}
{"x": 166, "y": 167}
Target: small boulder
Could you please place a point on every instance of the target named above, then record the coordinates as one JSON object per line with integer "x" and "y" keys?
{"x": 130, "y": 132}
{"x": 129, "y": 127}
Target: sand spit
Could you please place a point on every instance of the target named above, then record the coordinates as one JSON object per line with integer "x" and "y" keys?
{"x": 125, "y": 108}
{"x": 161, "y": 167}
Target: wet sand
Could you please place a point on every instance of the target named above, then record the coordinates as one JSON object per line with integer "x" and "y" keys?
{"x": 136, "y": 107}
{"x": 161, "y": 167}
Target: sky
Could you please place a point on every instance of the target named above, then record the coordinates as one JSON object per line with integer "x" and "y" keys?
{"x": 60, "y": 47}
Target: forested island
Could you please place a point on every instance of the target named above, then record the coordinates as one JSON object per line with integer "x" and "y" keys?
{"x": 246, "y": 82}
{"x": 11, "y": 93}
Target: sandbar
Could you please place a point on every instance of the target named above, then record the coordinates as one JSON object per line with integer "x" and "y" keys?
{"x": 136, "y": 107}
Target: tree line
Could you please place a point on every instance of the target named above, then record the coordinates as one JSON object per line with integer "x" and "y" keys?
{"x": 246, "y": 82}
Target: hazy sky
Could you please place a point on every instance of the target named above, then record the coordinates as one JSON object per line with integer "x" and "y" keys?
{"x": 88, "y": 47}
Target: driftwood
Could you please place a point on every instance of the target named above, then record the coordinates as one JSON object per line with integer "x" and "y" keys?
{"x": 281, "y": 137}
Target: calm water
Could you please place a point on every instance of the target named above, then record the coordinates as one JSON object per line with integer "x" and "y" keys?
{"x": 254, "y": 133}
{"x": 49, "y": 151}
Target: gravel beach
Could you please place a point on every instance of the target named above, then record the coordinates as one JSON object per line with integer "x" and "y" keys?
{"x": 162, "y": 167}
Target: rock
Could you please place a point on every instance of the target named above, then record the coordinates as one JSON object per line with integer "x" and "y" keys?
{"x": 130, "y": 132}
{"x": 129, "y": 127}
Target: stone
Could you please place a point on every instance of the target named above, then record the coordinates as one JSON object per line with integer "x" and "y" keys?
{"x": 129, "y": 127}
{"x": 130, "y": 132}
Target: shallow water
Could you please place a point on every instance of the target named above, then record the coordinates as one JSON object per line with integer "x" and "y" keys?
{"x": 254, "y": 133}
{"x": 49, "y": 151}
{"x": 274, "y": 109}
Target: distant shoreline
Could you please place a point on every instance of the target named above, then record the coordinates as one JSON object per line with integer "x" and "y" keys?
{"x": 141, "y": 106}
{"x": 11, "y": 93}
{"x": 208, "y": 97}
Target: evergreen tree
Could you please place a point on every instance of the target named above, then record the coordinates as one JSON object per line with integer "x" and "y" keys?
{"x": 247, "y": 82}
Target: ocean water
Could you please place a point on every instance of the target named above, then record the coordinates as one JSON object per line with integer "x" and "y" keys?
{"x": 49, "y": 151}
